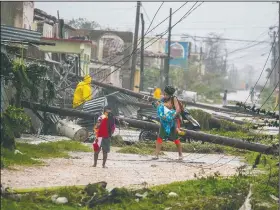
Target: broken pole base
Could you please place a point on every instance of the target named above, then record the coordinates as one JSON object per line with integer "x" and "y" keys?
{"x": 71, "y": 130}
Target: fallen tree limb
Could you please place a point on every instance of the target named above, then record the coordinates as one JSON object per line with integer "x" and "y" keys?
{"x": 237, "y": 143}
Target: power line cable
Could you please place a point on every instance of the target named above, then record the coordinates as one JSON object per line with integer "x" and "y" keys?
{"x": 128, "y": 56}
{"x": 147, "y": 32}
{"x": 162, "y": 34}
{"x": 155, "y": 16}
{"x": 145, "y": 12}
{"x": 224, "y": 39}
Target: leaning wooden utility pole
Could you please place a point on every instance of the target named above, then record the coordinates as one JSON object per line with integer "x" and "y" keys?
{"x": 135, "y": 43}
{"x": 142, "y": 53}
{"x": 167, "y": 60}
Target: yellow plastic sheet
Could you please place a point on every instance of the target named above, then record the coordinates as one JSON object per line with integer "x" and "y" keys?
{"x": 82, "y": 92}
{"x": 157, "y": 93}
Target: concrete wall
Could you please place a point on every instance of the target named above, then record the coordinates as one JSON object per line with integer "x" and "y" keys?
{"x": 62, "y": 47}
{"x": 47, "y": 30}
{"x": 155, "y": 45}
{"x": 28, "y": 14}
{"x": 99, "y": 72}
{"x": 17, "y": 14}
{"x": 12, "y": 13}
{"x": 85, "y": 58}
{"x": 71, "y": 47}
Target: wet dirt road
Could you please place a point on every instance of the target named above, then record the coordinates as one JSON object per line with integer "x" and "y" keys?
{"x": 123, "y": 170}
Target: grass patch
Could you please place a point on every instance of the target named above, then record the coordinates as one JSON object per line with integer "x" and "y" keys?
{"x": 205, "y": 193}
{"x": 194, "y": 147}
{"x": 33, "y": 152}
{"x": 136, "y": 150}
{"x": 265, "y": 184}
{"x": 147, "y": 148}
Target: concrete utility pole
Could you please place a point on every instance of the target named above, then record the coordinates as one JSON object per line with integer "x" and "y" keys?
{"x": 142, "y": 53}
{"x": 200, "y": 61}
{"x": 275, "y": 73}
{"x": 135, "y": 43}
{"x": 167, "y": 60}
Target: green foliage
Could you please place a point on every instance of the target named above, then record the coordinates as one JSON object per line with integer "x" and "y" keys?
{"x": 241, "y": 134}
{"x": 194, "y": 147}
{"x": 117, "y": 141}
{"x": 202, "y": 117}
{"x": 270, "y": 103}
{"x": 83, "y": 23}
{"x": 266, "y": 183}
{"x": 151, "y": 78}
{"x": 36, "y": 74}
{"x": 14, "y": 121}
{"x": 204, "y": 193}
{"x": 28, "y": 79}
{"x": 32, "y": 152}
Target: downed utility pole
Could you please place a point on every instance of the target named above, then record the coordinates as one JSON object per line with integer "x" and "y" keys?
{"x": 200, "y": 136}
{"x": 151, "y": 99}
{"x": 216, "y": 120}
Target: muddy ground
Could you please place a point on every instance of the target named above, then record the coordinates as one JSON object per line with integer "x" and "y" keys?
{"x": 127, "y": 170}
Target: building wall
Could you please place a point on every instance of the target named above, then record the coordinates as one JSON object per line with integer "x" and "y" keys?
{"x": 85, "y": 58}
{"x": 70, "y": 47}
{"x": 105, "y": 73}
{"x": 154, "y": 45}
{"x": 17, "y": 14}
{"x": 61, "y": 47}
{"x": 47, "y": 30}
{"x": 28, "y": 15}
{"x": 12, "y": 13}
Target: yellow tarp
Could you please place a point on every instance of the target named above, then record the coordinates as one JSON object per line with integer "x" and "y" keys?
{"x": 82, "y": 92}
{"x": 157, "y": 93}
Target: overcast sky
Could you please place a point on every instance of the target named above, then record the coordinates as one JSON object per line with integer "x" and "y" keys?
{"x": 244, "y": 20}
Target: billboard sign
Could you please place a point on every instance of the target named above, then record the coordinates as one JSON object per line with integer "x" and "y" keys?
{"x": 179, "y": 51}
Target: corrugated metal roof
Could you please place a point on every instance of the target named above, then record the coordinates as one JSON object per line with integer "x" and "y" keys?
{"x": 19, "y": 34}
{"x": 94, "y": 106}
{"x": 148, "y": 112}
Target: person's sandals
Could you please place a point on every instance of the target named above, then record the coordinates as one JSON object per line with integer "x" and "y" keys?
{"x": 180, "y": 158}
{"x": 104, "y": 166}
{"x": 155, "y": 158}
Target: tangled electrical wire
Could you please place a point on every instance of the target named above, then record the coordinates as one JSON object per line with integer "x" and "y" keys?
{"x": 262, "y": 112}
